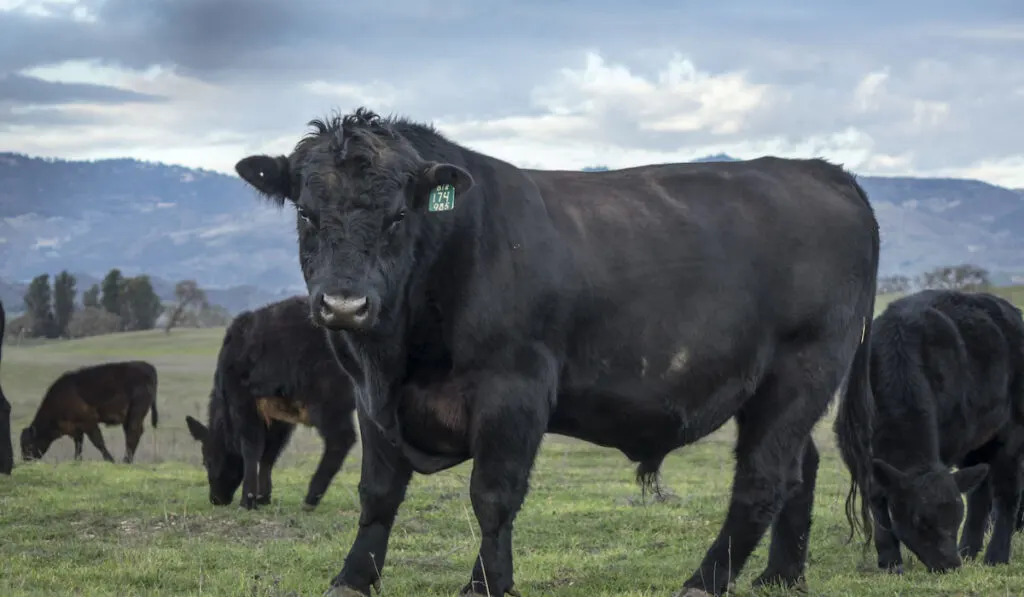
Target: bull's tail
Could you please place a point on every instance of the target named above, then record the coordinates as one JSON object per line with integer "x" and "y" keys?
{"x": 154, "y": 417}
{"x": 854, "y": 424}
{"x": 854, "y": 429}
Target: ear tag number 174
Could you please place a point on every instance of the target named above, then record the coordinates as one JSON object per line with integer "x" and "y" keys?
{"x": 442, "y": 198}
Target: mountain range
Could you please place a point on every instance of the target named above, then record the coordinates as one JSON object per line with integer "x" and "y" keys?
{"x": 176, "y": 223}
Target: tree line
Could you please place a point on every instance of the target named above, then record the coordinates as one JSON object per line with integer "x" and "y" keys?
{"x": 118, "y": 303}
{"x": 966, "y": 277}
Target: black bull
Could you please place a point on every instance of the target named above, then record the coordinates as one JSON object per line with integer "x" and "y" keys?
{"x": 639, "y": 309}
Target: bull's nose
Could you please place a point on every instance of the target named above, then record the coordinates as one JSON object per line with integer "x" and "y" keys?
{"x": 342, "y": 305}
{"x": 343, "y": 310}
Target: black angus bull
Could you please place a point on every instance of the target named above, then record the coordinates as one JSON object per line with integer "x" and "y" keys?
{"x": 947, "y": 376}
{"x": 6, "y": 447}
{"x": 274, "y": 370}
{"x": 480, "y": 305}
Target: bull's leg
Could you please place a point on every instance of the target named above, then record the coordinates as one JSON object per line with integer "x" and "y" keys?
{"x": 96, "y": 437}
{"x": 253, "y": 440}
{"x": 338, "y": 440}
{"x": 277, "y": 439}
{"x": 1005, "y": 476}
{"x": 979, "y": 507}
{"x": 1020, "y": 515}
{"x": 78, "y": 438}
{"x": 887, "y": 545}
{"x": 773, "y": 427}
{"x": 383, "y": 480}
{"x": 792, "y": 527}
{"x": 511, "y": 410}
{"x": 132, "y": 434}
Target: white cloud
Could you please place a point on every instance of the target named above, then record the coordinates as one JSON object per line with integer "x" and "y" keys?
{"x": 866, "y": 95}
{"x": 909, "y": 98}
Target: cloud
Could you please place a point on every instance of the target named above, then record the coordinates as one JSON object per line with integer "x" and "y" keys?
{"x": 21, "y": 89}
{"x": 925, "y": 88}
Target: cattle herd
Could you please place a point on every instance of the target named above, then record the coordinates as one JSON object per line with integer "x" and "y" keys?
{"x": 462, "y": 307}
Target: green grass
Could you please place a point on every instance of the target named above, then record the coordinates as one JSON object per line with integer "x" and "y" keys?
{"x": 93, "y": 528}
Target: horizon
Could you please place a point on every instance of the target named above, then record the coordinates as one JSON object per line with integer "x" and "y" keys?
{"x": 923, "y": 89}
{"x": 232, "y": 174}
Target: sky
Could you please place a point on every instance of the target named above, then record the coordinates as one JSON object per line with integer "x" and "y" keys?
{"x": 915, "y": 87}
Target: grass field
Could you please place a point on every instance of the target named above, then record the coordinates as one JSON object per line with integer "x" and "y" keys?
{"x": 93, "y": 528}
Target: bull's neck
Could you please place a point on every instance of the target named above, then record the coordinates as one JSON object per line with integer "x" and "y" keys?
{"x": 907, "y": 440}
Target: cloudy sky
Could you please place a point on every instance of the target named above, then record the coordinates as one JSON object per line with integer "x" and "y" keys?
{"x": 925, "y": 87}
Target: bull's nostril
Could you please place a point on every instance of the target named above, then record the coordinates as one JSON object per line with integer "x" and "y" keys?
{"x": 345, "y": 306}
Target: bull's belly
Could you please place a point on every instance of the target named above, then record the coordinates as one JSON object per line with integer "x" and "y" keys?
{"x": 644, "y": 419}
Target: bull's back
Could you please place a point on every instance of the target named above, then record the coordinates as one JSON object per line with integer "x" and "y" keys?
{"x": 110, "y": 388}
{"x": 683, "y": 253}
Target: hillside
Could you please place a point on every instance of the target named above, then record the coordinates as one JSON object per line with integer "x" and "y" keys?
{"x": 174, "y": 223}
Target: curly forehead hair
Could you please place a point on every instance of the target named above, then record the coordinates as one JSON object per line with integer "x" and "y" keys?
{"x": 363, "y": 138}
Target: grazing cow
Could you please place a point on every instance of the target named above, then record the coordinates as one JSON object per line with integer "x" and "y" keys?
{"x": 947, "y": 376}
{"x": 118, "y": 393}
{"x": 274, "y": 370}
{"x": 479, "y": 305}
{"x": 6, "y": 448}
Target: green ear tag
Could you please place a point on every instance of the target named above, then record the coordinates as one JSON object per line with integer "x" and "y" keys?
{"x": 442, "y": 198}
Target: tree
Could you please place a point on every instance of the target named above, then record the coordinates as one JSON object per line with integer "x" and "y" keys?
{"x": 188, "y": 294}
{"x": 37, "y": 307}
{"x": 93, "y": 321}
{"x": 64, "y": 293}
{"x": 112, "y": 285}
{"x": 966, "y": 277}
{"x": 91, "y": 297}
{"x": 140, "y": 306}
{"x": 891, "y": 284}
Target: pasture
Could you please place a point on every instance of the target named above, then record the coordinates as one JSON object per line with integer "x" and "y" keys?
{"x": 93, "y": 528}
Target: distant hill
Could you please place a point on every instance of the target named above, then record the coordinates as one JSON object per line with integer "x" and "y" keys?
{"x": 175, "y": 223}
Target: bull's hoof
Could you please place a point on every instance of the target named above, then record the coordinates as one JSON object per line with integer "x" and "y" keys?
{"x": 263, "y": 500}
{"x": 343, "y": 592}
{"x": 896, "y": 569}
{"x": 693, "y": 593}
{"x": 307, "y": 507}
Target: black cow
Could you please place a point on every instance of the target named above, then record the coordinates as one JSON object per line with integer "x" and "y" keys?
{"x": 77, "y": 402}
{"x": 947, "y": 375}
{"x": 274, "y": 370}
{"x": 480, "y": 305}
{"x": 6, "y": 448}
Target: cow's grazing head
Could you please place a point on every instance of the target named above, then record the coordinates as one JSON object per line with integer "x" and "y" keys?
{"x": 926, "y": 509}
{"x": 33, "y": 443}
{"x": 223, "y": 468}
{"x": 361, "y": 193}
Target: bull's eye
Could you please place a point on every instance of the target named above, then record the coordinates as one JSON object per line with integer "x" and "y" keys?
{"x": 304, "y": 216}
{"x": 394, "y": 221}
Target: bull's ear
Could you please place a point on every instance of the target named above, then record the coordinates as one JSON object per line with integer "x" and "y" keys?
{"x": 968, "y": 478}
{"x": 889, "y": 477}
{"x": 197, "y": 429}
{"x": 440, "y": 186}
{"x": 271, "y": 176}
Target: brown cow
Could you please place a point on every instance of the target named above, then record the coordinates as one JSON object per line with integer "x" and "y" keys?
{"x": 6, "y": 449}
{"x": 116, "y": 393}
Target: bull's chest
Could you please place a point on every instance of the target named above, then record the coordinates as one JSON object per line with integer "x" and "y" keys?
{"x": 436, "y": 417}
